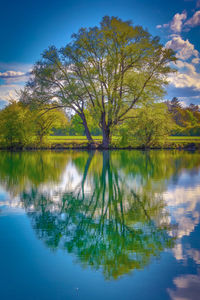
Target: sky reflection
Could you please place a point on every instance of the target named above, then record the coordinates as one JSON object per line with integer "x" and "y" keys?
{"x": 114, "y": 212}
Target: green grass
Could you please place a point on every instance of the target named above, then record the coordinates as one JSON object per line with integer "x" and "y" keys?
{"x": 184, "y": 139}
{"x": 76, "y": 141}
{"x": 178, "y": 138}
{"x": 99, "y": 138}
{"x": 72, "y": 138}
{"x": 61, "y": 142}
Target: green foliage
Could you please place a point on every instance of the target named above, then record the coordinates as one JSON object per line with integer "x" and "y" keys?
{"x": 77, "y": 127}
{"x": 187, "y": 118}
{"x": 46, "y": 120}
{"x": 149, "y": 125}
{"x": 21, "y": 127}
{"x": 16, "y": 125}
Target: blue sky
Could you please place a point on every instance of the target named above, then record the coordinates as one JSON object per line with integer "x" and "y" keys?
{"x": 28, "y": 27}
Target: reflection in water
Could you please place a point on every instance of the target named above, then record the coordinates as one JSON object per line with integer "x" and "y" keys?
{"x": 114, "y": 211}
{"x": 187, "y": 287}
{"x": 104, "y": 222}
{"x": 18, "y": 170}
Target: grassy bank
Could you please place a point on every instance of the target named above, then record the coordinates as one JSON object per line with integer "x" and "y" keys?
{"x": 80, "y": 142}
{"x": 174, "y": 142}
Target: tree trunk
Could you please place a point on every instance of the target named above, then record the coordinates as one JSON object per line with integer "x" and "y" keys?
{"x": 106, "y": 137}
{"x": 40, "y": 139}
{"x": 87, "y": 131}
{"x": 105, "y": 132}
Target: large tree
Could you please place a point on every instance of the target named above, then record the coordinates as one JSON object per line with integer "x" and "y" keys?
{"x": 107, "y": 69}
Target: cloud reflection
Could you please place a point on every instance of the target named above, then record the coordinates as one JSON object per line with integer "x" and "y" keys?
{"x": 187, "y": 287}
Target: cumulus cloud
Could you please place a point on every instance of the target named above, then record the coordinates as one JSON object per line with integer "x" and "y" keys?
{"x": 183, "y": 203}
{"x": 8, "y": 92}
{"x": 183, "y": 48}
{"x": 195, "y": 20}
{"x": 14, "y": 76}
{"x": 162, "y": 26}
{"x": 186, "y": 77}
{"x": 17, "y": 80}
{"x": 187, "y": 287}
{"x": 196, "y": 60}
{"x": 11, "y": 74}
{"x": 177, "y": 22}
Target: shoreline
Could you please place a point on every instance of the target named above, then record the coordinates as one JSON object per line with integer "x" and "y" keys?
{"x": 88, "y": 147}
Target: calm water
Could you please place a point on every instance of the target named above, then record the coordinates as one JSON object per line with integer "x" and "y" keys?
{"x": 103, "y": 225}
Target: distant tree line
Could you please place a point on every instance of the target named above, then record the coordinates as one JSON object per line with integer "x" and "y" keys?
{"x": 187, "y": 118}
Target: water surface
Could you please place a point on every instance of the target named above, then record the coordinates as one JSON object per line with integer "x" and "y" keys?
{"x": 100, "y": 225}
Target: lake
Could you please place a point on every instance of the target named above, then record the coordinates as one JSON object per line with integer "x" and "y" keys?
{"x": 100, "y": 225}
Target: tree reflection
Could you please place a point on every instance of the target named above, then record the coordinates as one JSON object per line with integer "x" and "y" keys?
{"x": 105, "y": 221}
{"x": 19, "y": 170}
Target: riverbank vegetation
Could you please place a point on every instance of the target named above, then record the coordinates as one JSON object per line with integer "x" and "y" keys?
{"x": 108, "y": 85}
{"x": 159, "y": 125}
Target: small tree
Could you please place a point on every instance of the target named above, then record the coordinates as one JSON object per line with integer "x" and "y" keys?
{"x": 46, "y": 120}
{"x": 16, "y": 125}
{"x": 150, "y": 125}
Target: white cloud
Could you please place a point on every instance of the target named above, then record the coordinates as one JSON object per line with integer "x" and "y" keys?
{"x": 11, "y": 77}
{"x": 11, "y": 74}
{"x": 162, "y": 26}
{"x": 195, "y": 20}
{"x": 183, "y": 203}
{"x": 186, "y": 77}
{"x": 16, "y": 80}
{"x": 187, "y": 100}
{"x": 8, "y": 92}
{"x": 177, "y": 22}
{"x": 15, "y": 66}
{"x": 187, "y": 287}
{"x": 184, "y": 48}
{"x": 14, "y": 75}
{"x": 196, "y": 60}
